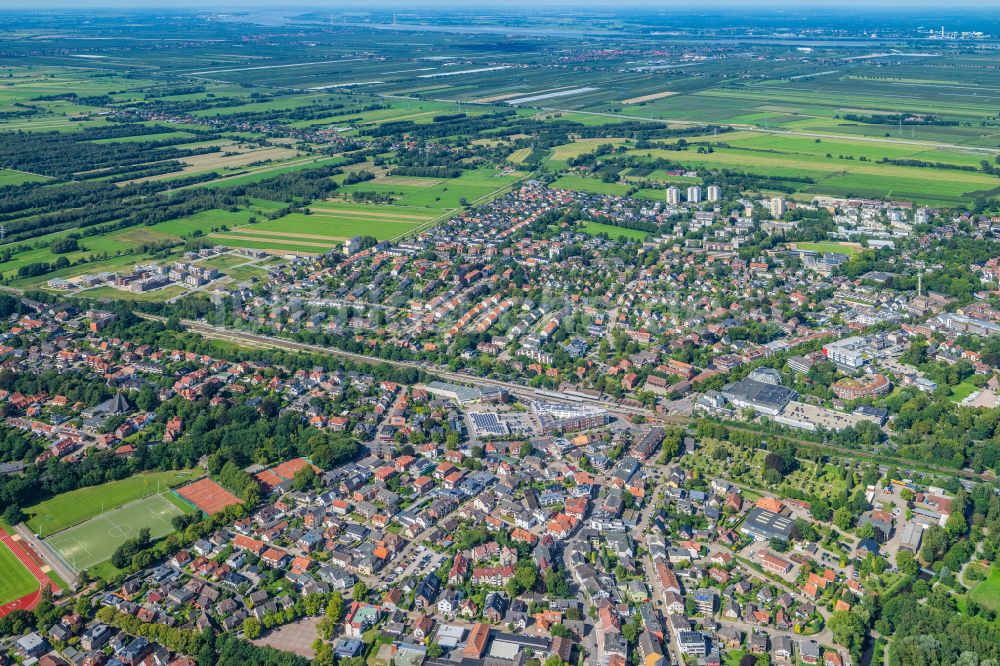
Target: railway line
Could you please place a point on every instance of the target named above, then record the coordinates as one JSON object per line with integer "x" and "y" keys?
{"x": 967, "y": 476}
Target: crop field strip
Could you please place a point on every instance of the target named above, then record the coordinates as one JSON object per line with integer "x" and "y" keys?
{"x": 418, "y": 85}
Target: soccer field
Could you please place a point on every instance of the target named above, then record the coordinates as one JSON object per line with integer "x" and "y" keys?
{"x": 77, "y": 506}
{"x": 95, "y": 540}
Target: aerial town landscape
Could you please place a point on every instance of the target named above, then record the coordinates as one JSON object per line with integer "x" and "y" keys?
{"x": 499, "y": 336}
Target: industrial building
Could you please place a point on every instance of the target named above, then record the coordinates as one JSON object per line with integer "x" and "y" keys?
{"x": 763, "y": 397}
{"x": 765, "y": 525}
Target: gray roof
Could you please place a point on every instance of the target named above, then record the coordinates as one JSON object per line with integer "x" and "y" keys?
{"x": 767, "y": 524}
{"x": 760, "y": 393}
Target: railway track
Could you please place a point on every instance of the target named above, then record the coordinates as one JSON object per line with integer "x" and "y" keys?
{"x": 526, "y": 392}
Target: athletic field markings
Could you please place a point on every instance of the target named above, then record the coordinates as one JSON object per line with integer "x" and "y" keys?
{"x": 94, "y": 541}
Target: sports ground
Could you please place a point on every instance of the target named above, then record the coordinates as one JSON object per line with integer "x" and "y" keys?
{"x": 94, "y": 541}
{"x": 22, "y": 577}
{"x": 208, "y": 496}
{"x": 16, "y": 582}
{"x": 69, "y": 509}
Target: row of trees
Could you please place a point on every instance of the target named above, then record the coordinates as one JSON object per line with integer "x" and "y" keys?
{"x": 208, "y": 647}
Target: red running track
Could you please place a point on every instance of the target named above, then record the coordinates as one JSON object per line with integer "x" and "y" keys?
{"x": 31, "y": 562}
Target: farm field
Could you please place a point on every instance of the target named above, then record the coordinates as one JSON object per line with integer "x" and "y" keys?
{"x": 147, "y": 137}
{"x": 230, "y": 158}
{"x": 822, "y": 123}
{"x": 12, "y": 177}
{"x": 94, "y": 541}
{"x": 328, "y": 225}
{"x": 257, "y": 174}
{"x": 595, "y": 185}
{"x": 417, "y": 202}
{"x": 77, "y": 506}
{"x": 844, "y": 167}
{"x": 437, "y": 194}
{"x": 557, "y": 160}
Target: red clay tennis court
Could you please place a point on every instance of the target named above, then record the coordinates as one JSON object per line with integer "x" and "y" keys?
{"x": 208, "y": 496}
{"x": 269, "y": 479}
{"x": 287, "y": 470}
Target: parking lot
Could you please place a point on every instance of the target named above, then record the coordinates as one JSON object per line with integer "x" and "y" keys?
{"x": 419, "y": 563}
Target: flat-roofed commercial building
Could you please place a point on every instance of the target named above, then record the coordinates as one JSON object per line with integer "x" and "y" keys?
{"x": 765, "y": 525}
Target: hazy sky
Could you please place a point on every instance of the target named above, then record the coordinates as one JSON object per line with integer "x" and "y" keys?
{"x": 353, "y": 5}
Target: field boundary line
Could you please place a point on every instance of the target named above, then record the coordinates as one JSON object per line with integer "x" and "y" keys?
{"x": 742, "y": 126}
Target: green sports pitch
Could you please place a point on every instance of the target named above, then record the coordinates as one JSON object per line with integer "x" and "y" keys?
{"x": 94, "y": 541}
{"x": 76, "y": 506}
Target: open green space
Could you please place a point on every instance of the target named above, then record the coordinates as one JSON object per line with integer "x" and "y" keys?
{"x": 584, "y": 184}
{"x": 987, "y": 592}
{"x": 149, "y": 137}
{"x": 94, "y": 541}
{"x": 446, "y": 194}
{"x": 842, "y": 248}
{"x": 842, "y": 167}
{"x": 156, "y": 295}
{"x": 383, "y": 222}
{"x": 597, "y": 228}
{"x": 278, "y": 246}
{"x": 15, "y": 580}
{"x": 116, "y": 243}
{"x": 244, "y": 273}
{"x": 962, "y": 391}
{"x": 257, "y": 174}
{"x": 223, "y": 261}
{"x": 77, "y": 506}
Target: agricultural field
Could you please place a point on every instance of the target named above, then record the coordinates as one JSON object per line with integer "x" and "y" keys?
{"x": 416, "y": 203}
{"x": 12, "y": 177}
{"x": 557, "y": 160}
{"x": 442, "y": 194}
{"x": 824, "y": 120}
{"x": 77, "y": 506}
{"x": 845, "y": 167}
{"x": 327, "y": 226}
{"x": 584, "y": 184}
{"x": 115, "y": 250}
